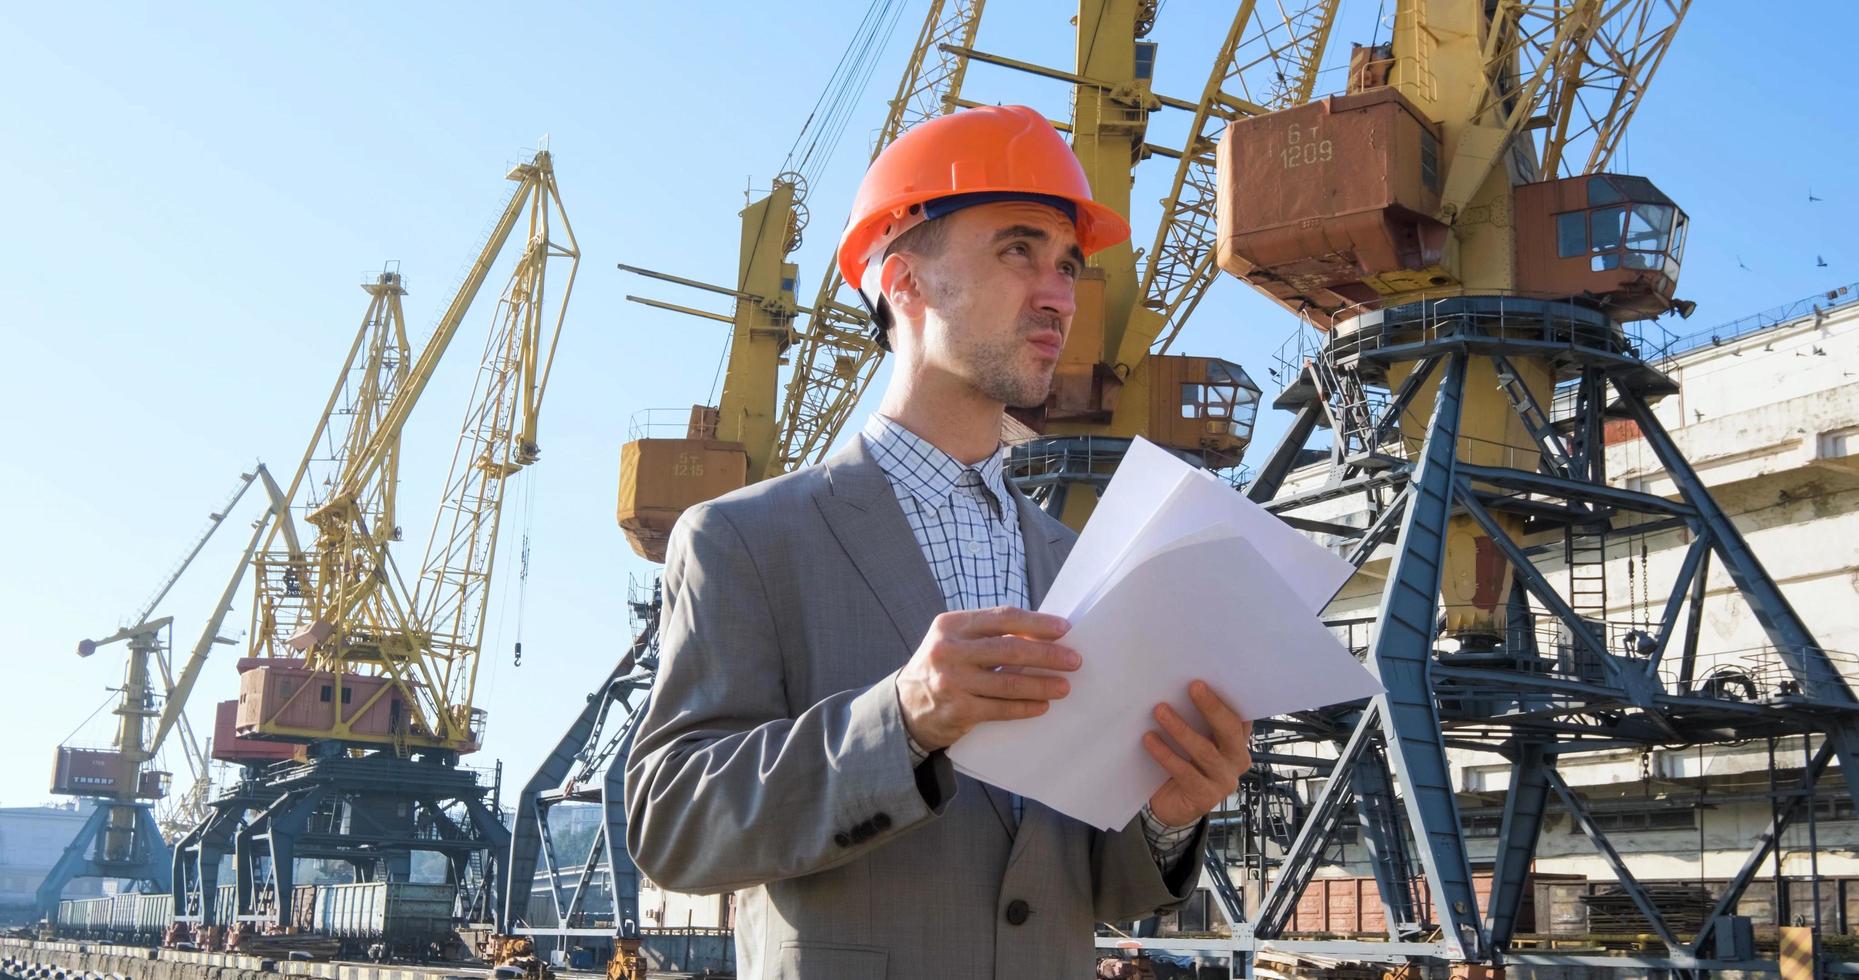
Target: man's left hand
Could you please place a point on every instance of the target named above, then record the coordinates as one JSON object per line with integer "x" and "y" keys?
{"x": 1204, "y": 770}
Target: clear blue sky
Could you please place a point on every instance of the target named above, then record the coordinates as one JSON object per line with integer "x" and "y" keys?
{"x": 195, "y": 195}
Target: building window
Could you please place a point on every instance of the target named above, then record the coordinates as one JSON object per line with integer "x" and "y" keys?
{"x": 1632, "y": 821}
{"x": 1482, "y": 824}
{"x": 1832, "y": 808}
{"x": 1840, "y": 442}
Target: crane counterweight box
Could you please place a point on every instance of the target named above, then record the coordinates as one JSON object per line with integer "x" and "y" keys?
{"x": 659, "y": 478}
{"x": 1332, "y": 203}
{"x": 229, "y": 747}
{"x": 284, "y": 699}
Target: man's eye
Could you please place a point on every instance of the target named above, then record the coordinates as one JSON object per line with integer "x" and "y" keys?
{"x": 1069, "y": 269}
{"x": 1017, "y": 248}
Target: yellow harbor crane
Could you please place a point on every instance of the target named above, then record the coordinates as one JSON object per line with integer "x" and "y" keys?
{"x": 350, "y": 649}
{"x": 123, "y": 837}
{"x": 1115, "y": 379}
{"x": 370, "y": 669}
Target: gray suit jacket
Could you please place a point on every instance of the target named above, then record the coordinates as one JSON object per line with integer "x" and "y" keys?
{"x": 772, "y": 760}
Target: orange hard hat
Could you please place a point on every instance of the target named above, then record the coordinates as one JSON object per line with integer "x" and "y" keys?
{"x": 990, "y": 153}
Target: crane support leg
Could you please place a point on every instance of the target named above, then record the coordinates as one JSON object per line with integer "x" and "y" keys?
{"x": 1402, "y": 656}
{"x": 1326, "y": 815}
{"x": 150, "y": 863}
{"x": 1381, "y": 836}
{"x": 620, "y": 867}
{"x": 532, "y": 811}
{"x": 1524, "y": 807}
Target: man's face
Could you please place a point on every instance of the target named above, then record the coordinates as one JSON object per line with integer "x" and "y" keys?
{"x": 999, "y": 299}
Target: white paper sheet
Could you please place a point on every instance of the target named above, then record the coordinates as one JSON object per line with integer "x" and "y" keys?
{"x": 1140, "y": 494}
{"x": 1171, "y": 581}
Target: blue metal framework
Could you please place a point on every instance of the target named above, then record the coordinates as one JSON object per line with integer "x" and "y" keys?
{"x": 372, "y": 812}
{"x": 145, "y": 864}
{"x": 587, "y": 765}
{"x": 1560, "y": 681}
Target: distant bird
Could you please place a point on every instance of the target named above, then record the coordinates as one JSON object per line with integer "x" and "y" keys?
{"x": 1274, "y": 373}
{"x": 1810, "y": 196}
{"x": 1698, "y": 414}
{"x": 1769, "y": 346}
{"x": 1716, "y": 341}
{"x": 1820, "y": 351}
{"x": 1740, "y": 265}
{"x": 1819, "y": 262}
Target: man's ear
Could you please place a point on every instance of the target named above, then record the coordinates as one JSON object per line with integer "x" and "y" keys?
{"x": 902, "y": 285}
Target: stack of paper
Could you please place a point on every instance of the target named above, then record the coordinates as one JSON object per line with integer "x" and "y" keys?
{"x": 1177, "y": 577}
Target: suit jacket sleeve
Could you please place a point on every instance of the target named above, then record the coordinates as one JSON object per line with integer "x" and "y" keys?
{"x": 725, "y": 787}
{"x": 1128, "y": 884}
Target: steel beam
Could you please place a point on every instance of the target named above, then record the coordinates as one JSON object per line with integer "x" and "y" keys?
{"x": 1752, "y": 862}
{"x": 1403, "y": 656}
{"x": 1548, "y": 442}
{"x": 1694, "y": 623}
{"x": 1361, "y": 484}
{"x": 1524, "y": 808}
{"x": 622, "y": 874}
{"x": 1284, "y": 456}
{"x": 1387, "y": 849}
{"x": 1818, "y": 676}
{"x": 1630, "y": 884}
{"x": 1397, "y": 406}
{"x": 1582, "y": 490}
{"x": 1533, "y": 579}
{"x": 1820, "y": 679}
{"x": 149, "y": 859}
{"x": 1378, "y": 532}
{"x": 526, "y": 842}
{"x": 1668, "y": 621}
{"x": 1326, "y": 814}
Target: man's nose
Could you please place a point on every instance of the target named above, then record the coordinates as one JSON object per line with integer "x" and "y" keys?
{"x": 1055, "y": 294}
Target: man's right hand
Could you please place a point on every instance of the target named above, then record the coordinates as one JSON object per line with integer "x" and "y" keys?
{"x": 951, "y": 683}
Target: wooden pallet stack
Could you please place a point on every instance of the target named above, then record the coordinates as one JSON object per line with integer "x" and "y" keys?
{"x": 1683, "y": 906}
{"x": 1274, "y": 964}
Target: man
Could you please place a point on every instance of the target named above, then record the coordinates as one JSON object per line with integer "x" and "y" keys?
{"x": 828, "y": 633}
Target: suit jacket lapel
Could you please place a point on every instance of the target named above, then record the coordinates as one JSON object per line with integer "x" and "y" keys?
{"x": 862, "y": 511}
{"x": 1042, "y": 547}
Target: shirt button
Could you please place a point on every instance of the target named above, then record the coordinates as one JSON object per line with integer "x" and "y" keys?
{"x": 973, "y": 548}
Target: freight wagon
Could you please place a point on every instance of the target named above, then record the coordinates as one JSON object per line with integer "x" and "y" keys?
{"x": 378, "y": 919}
{"x": 1351, "y": 906}
{"x": 383, "y": 919}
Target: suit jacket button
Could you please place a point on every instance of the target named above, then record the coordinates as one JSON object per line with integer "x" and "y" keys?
{"x": 1017, "y": 911}
{"x": 882, "y": 821}
{"x": 842, "y": 839}
{"x": 866, "y": 830}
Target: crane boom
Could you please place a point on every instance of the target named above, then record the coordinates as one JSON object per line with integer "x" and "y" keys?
{"x": 1269, "y": 61}
{"x": 499, "y": 439}
{"x": 837, "y": 355}
{"x": 179, "y": 688}
{"x": 401, "y": 661}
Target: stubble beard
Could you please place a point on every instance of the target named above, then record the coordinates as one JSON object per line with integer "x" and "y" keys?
{"x": 997, "y": 366}
{"x": 1002, "y": 371}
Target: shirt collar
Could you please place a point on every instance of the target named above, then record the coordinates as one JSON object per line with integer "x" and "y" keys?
{"x": 926, "y": 472}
